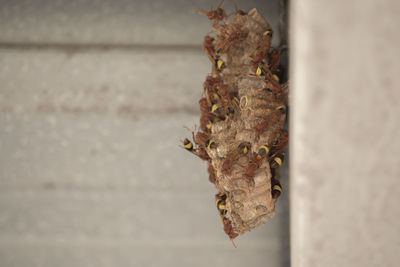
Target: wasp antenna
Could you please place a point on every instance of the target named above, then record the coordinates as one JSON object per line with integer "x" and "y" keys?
{"x": 202, "y": 11}
{"x": 219, "y": 5}
{"x": 190, "y": 130}
{"x": 187, "y": 128}
{"x": 236, "y": 10}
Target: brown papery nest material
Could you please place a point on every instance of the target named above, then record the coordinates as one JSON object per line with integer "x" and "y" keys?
{"x": 243, "y": 112}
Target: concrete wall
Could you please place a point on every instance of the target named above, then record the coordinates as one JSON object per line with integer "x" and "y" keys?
{"x": 93, "y": 97}
{"x": 345, "y": 133}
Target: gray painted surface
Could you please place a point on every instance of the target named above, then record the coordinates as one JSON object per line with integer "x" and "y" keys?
{"x": 168, "y": 22}
{"x": 91, "y": 172}
{"x": 121, "y": 83}
{"x": 104, "y": 184}
{"x": 345, "y": 135}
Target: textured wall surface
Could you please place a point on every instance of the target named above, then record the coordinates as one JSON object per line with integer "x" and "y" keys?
{"x": 93, "y": 97}
{"x": 120, "y": 22}
{"x": 345, "y": 133}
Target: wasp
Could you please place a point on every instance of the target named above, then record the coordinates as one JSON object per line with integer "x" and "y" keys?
{"x": 275, "y": 78}
{"x": 219, "y": 64}
{"x": 238, "y": 11}
{"x": 260, "y": 71}
{"x": 281, "y": 142}
{"x": 230, "y": 112}
{"x": 272, "y": 81}
{"x": 259, "y": 128}
{"x": 276, "y": 188}
{"x": 273, "y": 86}
{"x": 281, "y": 109}
{"x": 210, "y": 86}
{"x": 205, "y": 123}
{"x": 268, "y": 34}
{"x": 262, "y": 50}
{"x": 233, "y": 36}
{"x": 202, "y": 154}
{"x": 257, "y": 57}
{"x": 217, "y": 112}
{"x": 210, "y": 144}
{"x": 226, "y": 167}
{"x": 187, "y": 144}
{"x": 211, "y": 82}
{"x": 221, "y": 204}
{"x": 242, "y": 149}
{"x": 263, "y": 151}
{"x": 214, "y": 108}
{"x": 200, "y": 140}
{"x": 203, "y": 141}
{"x": 199, "y": 151}
{"x": 261, "y": 53}
{"x": 277, "y": 155}
{"x": 222, "y": 91}
{"x": 223, "y": 101}
{"x": 252, "y": 168}
{"x": 204, "y": 107}
{"x": 250, "y": 172}
{"x": 228, "y": 229}
{"x": 205, "y": 117}
{"x": 277, "y": 160}
{"x": 217, "y": 14}
{"x": 274, "y": 61}
{"x": 208, "y": 47}
{"x": 211, "y": 173}
{"x": 254, "y": 163}
{"x": 209, "y": 112}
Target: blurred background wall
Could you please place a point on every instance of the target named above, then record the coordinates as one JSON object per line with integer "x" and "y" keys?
{"x": 93, "y": 99}
{"x": 345, "y": 146}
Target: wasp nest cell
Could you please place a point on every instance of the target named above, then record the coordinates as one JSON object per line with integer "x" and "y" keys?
{"x": 243, "y": 111}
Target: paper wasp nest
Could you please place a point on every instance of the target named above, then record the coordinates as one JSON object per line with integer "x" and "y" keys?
{"x": 243, "y": 111}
